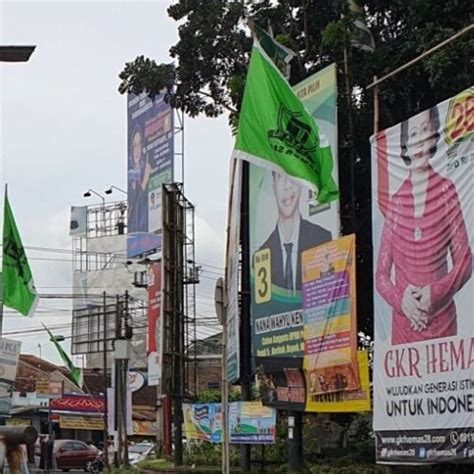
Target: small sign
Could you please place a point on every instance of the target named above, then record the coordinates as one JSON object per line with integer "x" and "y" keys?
{"x": 136, "y": 380}
{"x": 49, "y": 389}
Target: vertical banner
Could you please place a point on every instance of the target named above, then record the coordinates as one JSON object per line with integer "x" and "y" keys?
{"x": 155, "y": 323}
{"x": 150, "y": 164}
{"x": 284, "y": 221}
{"x": 232, "y": 277}
{"x": 423, "y": 237}
{"x": 329, "y": 317}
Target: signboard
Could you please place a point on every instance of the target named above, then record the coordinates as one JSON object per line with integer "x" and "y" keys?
{"x": 145, "y": 428}
{"x": 251, "y": 423}
{"x": 329, "y": 317}
{"x": 9, "y": 353}
{"x": 155, "y": 314}
{"x": 154, "y": 369}
{"x": 78, "y": 222}
{"x": 423, "y": 239}
{"x": 79, "y": 403}
{"x": 345, "y": 401}
{"x": 81, "y": 423}
{"x": 284, "y": 221}
{"x": 150, "y": 164}
{"x": 46, "y": 388}
{"x": 136, "y": 380}
{"x": 232, "y": 277}
{"x": 203, "y": 421}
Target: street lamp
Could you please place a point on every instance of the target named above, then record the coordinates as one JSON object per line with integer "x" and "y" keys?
{"x": 89, "y": 193}
{"x": 16, "y": 54}
{"x": 109, "y": 191}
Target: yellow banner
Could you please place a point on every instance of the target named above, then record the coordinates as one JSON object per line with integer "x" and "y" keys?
{"x": 81, "y": 422}
{"x": 145, "y": 428}
{"x": 345, "y": 401}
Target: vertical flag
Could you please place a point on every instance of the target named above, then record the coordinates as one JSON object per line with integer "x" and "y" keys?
{"x": 361, "y": 36}
{"x": 277, "y": 132}
{"x": 73, "y": 370}
{"x": 279, "y": 54}
{"x": 18, "y": 288}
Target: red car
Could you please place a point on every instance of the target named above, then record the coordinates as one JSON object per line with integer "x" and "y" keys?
{"x": 72, "y": 454}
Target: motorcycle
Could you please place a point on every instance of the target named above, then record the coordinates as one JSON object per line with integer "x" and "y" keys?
{"x": 97, "y": 465}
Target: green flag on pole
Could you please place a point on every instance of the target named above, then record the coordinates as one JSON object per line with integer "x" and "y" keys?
{"x": 18, "y": 288}
{"x": 73, "y": 370}
{"x": 277, "y": 132}
{"x": 361, "y": 35}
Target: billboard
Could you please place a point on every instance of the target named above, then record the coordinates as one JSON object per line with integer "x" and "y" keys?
{"x": 155, "y": 318}
{"x": 150, "y": 164}
{"x": 345, "y": 401}
{"x": 423, "y": 238}
{"x": 232, "y": 276}
{"x": 329, "y": 317}
{"x": 284, "y": 221}
{"x": 249, "y": 422}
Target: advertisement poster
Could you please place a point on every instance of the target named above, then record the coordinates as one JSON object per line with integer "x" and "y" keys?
{"x": 232, "y": 277}
{"x": 345, "y": 401}
{"x": 329, "y": 317}
{"x": 251, "y": 423}
{"x": 281, "y": 382}
{"x": 203, "y": 421}
{"x": 150, "y": 164}
{"x": 155, "y": 319}
{"x": 423, "y": 239}
{"x": 285, "y": 220}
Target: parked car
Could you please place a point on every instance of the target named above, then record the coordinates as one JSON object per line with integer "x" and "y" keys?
{"x": 73, "y": 454}
{"x": 139, "y": 451}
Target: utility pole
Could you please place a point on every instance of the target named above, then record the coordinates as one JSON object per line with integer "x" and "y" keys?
{"x": 245, "y": 322}
{"x": 220, "y": 299}
{"x": 105, "y": 385}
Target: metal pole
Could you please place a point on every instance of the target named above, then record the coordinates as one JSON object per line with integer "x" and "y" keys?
{"x": 376, "y": 106}
{"x": 104, "y": 354}
{"x": 295, "y": 441}
{"x": 245, "y": 323}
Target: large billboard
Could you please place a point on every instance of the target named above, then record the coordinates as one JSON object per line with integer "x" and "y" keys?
{"x": 423, "y": 238}
{"x": 284, "y": 221}
{"x": 150, "y": 164}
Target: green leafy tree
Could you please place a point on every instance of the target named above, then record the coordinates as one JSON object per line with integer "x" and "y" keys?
{"x": 210, "y": 63}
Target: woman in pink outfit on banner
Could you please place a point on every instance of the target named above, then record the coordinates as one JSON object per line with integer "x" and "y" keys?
{"x": 424, "y": 257}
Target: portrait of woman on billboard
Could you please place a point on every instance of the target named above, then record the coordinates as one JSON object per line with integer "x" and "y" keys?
{"x": 138, "y": 175}
{"x": 424, "y": 257}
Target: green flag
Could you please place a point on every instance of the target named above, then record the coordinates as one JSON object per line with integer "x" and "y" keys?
{"x": 279, "y": 54}
{"x": 361, "y": 35}
{"x": 18, "y": 288}
{"x": 276, "y": 131}
{"x": 73, "y": 370}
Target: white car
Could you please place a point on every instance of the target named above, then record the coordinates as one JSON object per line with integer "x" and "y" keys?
{"x": 138, "y": 452}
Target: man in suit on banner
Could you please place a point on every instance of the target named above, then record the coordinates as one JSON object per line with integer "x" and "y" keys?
{"x": 291, "y": 236}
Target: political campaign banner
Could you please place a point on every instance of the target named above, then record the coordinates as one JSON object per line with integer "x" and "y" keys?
{"x": 155, "y": 313}
{"x": 285, "y": 219}
{"x": 251, "y": 423}
{"x": 329, "y": 317}
{"x": 423, "y": 239}
{"x": 345, "y": 401}
{"x": 203, "y": 421}
{"x": 150, "y": 164}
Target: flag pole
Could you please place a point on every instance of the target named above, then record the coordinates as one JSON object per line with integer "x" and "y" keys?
{"x": 1, "y": 275}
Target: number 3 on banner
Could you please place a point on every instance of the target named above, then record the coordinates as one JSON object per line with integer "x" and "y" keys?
{"x": 263, "y": 276}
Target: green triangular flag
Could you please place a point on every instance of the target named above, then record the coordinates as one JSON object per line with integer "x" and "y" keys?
{"x": 18, "y": 288}
{"x": 73, "y": 370}
{"x": 277, "y": 132}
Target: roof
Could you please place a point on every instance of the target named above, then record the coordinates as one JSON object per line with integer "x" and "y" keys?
{"x": 41, "y": 364}
{"x": 211, "y": 345}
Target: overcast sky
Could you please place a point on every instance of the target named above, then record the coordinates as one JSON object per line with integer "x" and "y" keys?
{"x": 63, "y": 130}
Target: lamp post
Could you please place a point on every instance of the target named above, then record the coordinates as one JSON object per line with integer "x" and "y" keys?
{"x": 111, "y": 188}
{"x": 16, "y": 54}
{"x": 88, "y": 194}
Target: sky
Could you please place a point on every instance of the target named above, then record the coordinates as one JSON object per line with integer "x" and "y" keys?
{"x": 63, "y": 130}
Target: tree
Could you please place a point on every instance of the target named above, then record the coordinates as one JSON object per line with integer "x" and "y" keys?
{"x": 211, "y": 60}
